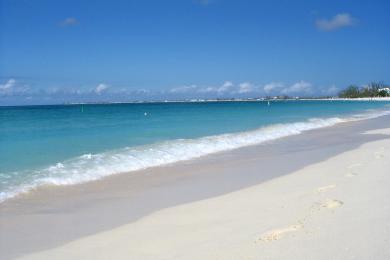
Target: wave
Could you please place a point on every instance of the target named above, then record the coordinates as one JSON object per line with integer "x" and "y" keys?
{"x": 89, "y": 167}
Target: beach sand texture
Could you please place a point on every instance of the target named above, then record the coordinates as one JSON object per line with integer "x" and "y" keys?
{"x": 335, "y": 209}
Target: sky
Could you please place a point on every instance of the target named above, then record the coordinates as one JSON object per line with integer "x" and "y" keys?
{"x": 93, "y": 51}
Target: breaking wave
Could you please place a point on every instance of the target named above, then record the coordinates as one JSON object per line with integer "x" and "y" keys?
{"x": 89, "y": 167}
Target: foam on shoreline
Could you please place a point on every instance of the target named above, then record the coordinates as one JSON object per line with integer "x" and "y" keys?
{"x": 90, "y": 167}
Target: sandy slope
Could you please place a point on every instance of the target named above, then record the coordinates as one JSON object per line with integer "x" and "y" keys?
{"x": 336, "y": 209}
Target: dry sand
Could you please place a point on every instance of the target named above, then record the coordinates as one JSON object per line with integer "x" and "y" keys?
{"x": 335, "y": 209}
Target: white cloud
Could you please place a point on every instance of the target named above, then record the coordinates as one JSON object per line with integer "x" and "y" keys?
{"x": 336, "y": 22}
{"x": 279, "y": 88}
{"x": 206, "y": 89}
{"x": 12, "y": 87}
{"x": 301, "y": 87}
{"x": 70, "y": 21}
{"x": 8, "y": 85}
{"x": 101, "y": 88}
{"x": 184, "y": 89}
{"x": 245, "y": 87}
{"x": 142, "y": 91}
{"x": 226, "y": 86}
{"x": 273, "y": 86}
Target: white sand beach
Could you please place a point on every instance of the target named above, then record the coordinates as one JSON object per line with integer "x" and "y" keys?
{"x": 194, "y": 130}
{"x": 334, "y": 209}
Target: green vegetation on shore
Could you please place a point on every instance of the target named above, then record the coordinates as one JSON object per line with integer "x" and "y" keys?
{"x": 374, "y": 89}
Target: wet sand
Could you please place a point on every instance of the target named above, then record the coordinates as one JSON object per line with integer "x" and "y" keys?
{"x": 54, "y": 216}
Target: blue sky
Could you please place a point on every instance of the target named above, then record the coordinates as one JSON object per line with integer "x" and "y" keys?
{"x": 72, "y": 51}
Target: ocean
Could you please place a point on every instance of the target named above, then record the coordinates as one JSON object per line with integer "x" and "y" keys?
{"x": 70, "y": 144}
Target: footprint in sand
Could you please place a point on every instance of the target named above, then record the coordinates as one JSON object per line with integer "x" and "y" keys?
{"x": 332, "y": 204}
{"x": 326, "y": 188}
{"x": 352, "y": 169}
{"x": 379, "y": 155}
{"x": 351, "y": 174}
{"x": 327, "y": 204}
{"x": 355, "y": 165}
{"x": 277, "y": 234}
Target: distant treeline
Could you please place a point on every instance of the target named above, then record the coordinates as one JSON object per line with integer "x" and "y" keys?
{"x": 374, "y": 89}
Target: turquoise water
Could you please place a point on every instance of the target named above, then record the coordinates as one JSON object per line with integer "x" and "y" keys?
{"x": 69, "y": 144}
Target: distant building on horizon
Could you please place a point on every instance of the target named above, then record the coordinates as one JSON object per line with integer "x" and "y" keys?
{"x": 387, "y": 89}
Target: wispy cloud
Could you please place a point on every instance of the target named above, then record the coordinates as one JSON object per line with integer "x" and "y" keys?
{"x": 301, "y": 87}
{"x": 246, "y": 87}
{"x": 183, "y": 89}
{"x": 227, "y": 88}
{"x": 101, "y": 88}
{"x": 8, "y": 85}
{"x": 70, "y": 21}
{"x": 14, "y": 92}
{"x": 338, "y": 21}
{"x": 12, "y": 88}
{"x": 273, "y": 86}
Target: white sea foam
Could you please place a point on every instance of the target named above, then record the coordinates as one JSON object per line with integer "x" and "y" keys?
{"x": 89, "y": 167}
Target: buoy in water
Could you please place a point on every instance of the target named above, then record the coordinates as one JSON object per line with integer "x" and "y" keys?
{"x": 145, "y": 114}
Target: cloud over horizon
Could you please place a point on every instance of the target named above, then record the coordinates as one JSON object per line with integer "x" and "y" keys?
{"x": 336, "y": 22}
{"x": 7, "y": 85}
{"x": 248, "y": 89}
{"x": 12, "y": 90}
{"x": 301, "y": 87}
{"x": 101, "y": 88}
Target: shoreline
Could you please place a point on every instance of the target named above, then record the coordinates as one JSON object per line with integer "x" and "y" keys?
{"x": 75, "y": 212}
{"x": 105, "y": 164}
{"x": 334, "y": 209}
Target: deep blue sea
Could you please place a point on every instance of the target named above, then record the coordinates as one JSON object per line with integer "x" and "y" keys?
{"x": 69, "y": 144}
